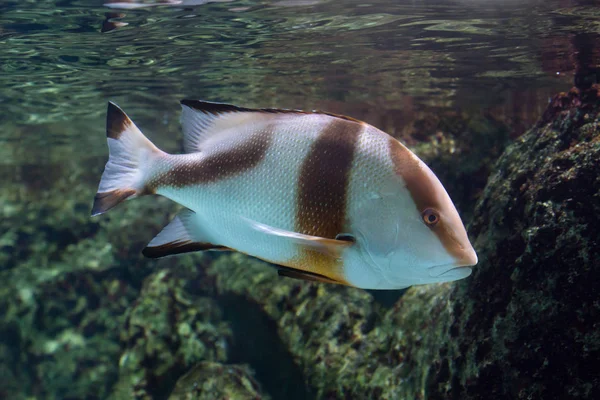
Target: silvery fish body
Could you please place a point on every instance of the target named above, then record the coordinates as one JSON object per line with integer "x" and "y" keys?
{"x": 324, "y": 197}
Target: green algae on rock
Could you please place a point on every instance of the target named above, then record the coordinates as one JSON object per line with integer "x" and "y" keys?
{"x": 213, "y": 381}
{"x": 324, "y": 327}
{"x": 67, "y": 281}
{"x": 168, "y": 329}
{"x": 522, "y": 326}
{"x": 61, "y": 337}
{"x": 527, "y": 324}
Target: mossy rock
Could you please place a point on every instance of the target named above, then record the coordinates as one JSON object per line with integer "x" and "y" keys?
{"x": 214, "y": 381}
{"x": 522, "y": 326}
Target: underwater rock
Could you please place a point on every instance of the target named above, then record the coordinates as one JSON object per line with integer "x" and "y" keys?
{"x": 324, "y": 327}
{"x": 213, "y": 381}
{"x": 60, "y": 339}
{"x": 168, "y": 329}
{"x": 67, "y": 281}
{"x": 523, "y": 326}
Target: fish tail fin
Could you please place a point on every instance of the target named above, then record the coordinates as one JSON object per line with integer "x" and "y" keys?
{"x": 130, "y": 155}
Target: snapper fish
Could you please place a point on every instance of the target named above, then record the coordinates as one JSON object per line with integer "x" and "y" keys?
{"x": 324, "y": 197}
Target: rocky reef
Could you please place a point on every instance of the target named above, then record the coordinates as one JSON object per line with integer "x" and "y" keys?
{"x": 85, "y": 316}
{"x": 217, "y": 381}
{"x": 169, "y": 328}
{"x": 524, "y": 325}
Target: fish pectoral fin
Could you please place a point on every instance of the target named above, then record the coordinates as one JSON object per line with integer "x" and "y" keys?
{"x": 330, "y": 247}
{"x": 183, "y": 234}
{"x": 306, "y": 276}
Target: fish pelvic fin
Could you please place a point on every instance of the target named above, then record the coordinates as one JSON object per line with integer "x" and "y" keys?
{"x": 183, "y": 234}
{"x": 130, "y": 155}
{"x": 306, "y": 276}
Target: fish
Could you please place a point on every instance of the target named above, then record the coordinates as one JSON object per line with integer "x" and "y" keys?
{"x": 323, "y": 197}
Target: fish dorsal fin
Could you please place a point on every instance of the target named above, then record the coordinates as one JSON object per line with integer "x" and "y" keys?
{"x": 183, "y": 234}
{"x": 203, "y": 121}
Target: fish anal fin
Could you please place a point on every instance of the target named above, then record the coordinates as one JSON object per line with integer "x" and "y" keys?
{"x": 179, "y": 247}
{"x": 307, "y": 276}
{"x": 183, "y": 234}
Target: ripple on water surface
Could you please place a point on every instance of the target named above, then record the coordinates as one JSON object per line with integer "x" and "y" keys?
{"x": 60, "y": 63}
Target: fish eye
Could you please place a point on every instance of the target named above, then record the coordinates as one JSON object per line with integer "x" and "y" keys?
{"x": 431, "y": 217}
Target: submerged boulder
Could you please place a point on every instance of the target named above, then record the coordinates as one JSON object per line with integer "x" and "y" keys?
{"x": 169, "y": 328}
{"x": 208, "y": 381}
{"x": 323, "y": 327}
{"x": 523, "y": 326}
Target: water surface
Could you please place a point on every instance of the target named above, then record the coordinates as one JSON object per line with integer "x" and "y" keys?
{"x": 60, "y": 61}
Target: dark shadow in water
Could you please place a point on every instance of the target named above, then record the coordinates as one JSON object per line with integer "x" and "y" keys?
{"x": 257, "y": 343}
{"x": 387, "y": 298}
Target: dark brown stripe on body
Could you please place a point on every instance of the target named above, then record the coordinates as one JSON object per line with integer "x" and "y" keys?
{"x": 324, "y": 178}
{"x": 215, "y": 167}
{"x": 323, "y": 193}
{"x": 417, "y": 182}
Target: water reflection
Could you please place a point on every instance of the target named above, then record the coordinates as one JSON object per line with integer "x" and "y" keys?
{"x": 112, "y": 22}
{"x": 391, "y": 63}
{"x": 130, "y": 5}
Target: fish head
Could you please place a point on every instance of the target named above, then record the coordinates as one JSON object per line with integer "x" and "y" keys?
{"x": 415, "y": 235}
